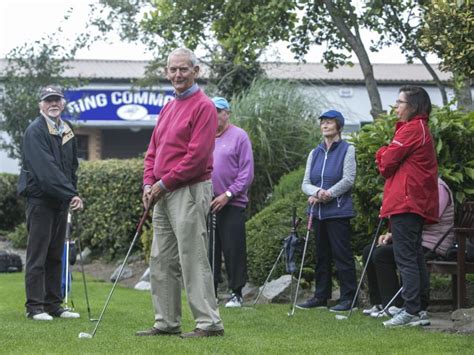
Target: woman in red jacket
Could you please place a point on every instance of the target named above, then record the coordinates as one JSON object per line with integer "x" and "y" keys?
{"x": 410, "y": 198}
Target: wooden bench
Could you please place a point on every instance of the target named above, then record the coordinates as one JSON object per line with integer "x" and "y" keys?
{"x": 458, "y": 269}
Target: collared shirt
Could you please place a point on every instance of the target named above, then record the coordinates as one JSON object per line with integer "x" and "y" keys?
{"x": 186, "y": 93}
{"x": 59, "y": 128}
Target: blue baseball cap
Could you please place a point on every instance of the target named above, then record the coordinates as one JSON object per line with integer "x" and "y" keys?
{"x": 334, "y": 114}
{"x": 221, "y": 103}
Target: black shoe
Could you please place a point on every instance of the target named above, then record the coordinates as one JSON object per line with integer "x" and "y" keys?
{"x": 313, "y": 303}
{"x": 201, "y": 333}
{"x": 155, "y": 331}
{"x": 343, "y": 306}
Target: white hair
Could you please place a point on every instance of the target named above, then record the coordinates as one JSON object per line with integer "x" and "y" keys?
{"x": 184, "y": 51}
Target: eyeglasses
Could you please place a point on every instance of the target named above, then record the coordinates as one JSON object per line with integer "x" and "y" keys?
{"x": 182, "y": 70}
{"x": 398, "y": 102}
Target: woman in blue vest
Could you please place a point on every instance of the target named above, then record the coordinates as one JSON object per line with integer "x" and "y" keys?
{"x": 328, "y": 179}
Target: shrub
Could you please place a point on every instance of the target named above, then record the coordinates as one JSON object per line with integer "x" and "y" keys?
{"x": 12, "y": 207}
{"x": 19, "y": 236}
{"x": 453, "y": 134}
{"x": 281, "y": 124}
{"x": 265, "y": 233}
{"x": 111, "y": 190}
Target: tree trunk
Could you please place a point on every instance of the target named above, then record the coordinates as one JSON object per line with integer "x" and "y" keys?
{"x": 462, "y": 90}
{"x": 357, "y": 46}
{"x": 435, "y": 76}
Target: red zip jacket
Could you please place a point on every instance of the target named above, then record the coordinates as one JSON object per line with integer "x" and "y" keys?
{"x": 410, "y": 168}
{"x": 181, "y": 147}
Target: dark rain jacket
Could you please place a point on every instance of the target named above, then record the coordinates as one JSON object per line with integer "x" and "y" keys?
{"x": 49, "y": 164}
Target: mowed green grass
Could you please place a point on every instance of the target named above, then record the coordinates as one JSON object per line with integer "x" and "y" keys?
{"x": 265, "y": 329}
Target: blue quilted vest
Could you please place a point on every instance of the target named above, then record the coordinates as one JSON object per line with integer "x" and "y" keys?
{"x": 326, "y": 171}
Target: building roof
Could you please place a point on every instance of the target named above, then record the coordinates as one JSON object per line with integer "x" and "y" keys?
{"x": 124, "y": 70}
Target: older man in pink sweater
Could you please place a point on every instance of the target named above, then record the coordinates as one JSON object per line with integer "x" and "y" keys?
{"x": 177, "y": 179}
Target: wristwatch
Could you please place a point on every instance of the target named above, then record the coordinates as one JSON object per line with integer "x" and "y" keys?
{"x": 228, "y": 194}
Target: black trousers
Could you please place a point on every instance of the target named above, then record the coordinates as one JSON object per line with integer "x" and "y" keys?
{"x": 230, "y": 239}
{"x": 333, "y": 242}
{"x": 406, "y": 235}
{"x": 46, "y": 233}
{"x": 382, "y": 275}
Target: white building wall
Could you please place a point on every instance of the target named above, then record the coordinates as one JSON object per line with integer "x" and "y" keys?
{"x": 354, "y": 103}
{"x": 8, "y": 165}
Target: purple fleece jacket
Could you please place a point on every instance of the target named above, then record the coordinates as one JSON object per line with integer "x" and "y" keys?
{"x": 233, "y": 165}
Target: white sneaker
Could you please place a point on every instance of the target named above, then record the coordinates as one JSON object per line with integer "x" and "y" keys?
{"x": 369, "y": 311}
{"x": 379, "y": 314}
{"x": 69, "y": 315}
{"x": 423, "y": 320}
{"x": 235, "y": 301}
{"x": 40, "y": 316}
{"x": 402, "y": 319}
{"x": 393, "y": 311}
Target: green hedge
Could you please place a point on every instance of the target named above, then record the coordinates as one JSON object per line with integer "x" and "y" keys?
{"x": 19, "y": 236}
{"x": 453, "y": 133}
{"x": 265, "y": 234}
{"x": 111, "y": 190}
{"x": 12, "y": 207}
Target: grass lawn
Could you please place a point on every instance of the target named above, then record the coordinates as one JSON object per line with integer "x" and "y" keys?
{"x": 265, "y": 329}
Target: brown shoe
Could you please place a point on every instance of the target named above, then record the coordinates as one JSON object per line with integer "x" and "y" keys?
{"x": 201, "y": 333}
{"x": 155, "y": 331}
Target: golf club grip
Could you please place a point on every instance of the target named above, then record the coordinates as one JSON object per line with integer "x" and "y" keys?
{"x": 143, "y": 219}
{"x": 310, "y": 218}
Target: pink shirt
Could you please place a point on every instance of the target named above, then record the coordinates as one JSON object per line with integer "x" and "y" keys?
{"x": 180, "y": 149}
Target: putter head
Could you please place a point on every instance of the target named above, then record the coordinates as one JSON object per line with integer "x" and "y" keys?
{"x": 85, "y": 336}
{"x": 341, "y": 317}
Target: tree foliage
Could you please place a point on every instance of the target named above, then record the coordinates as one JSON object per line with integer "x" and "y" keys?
{"x": 231, "y": 34}
{"x": 338, "y": 25}
{"x": 400, "y": 23}
{"x": 29, "y": 67}
{"x": 449, "y": 32}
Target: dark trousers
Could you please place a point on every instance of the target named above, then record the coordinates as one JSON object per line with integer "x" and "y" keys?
{"x": 382, "y": 275}
{"x": 333, "y": 242}
{"x": 406, "y": 235}
{"x": 230, "y": 239}
{"x": 46, "y": 232}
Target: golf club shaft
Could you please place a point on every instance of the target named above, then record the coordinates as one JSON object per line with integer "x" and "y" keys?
{"x": 269, "y": 274}
{"x": 213, "y": 233}
{"x": 372, "y": 247}
{"x": 137, "y": 233}
{"x": 66, "y": 290}
{"x": 84, "y": 278}
{"x": 309, "y": 227}
{"x": 391, "y": 301}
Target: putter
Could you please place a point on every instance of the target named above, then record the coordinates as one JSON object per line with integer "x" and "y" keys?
{"x": 84, "y": 281}
{"x": 308, "y": 232}
{"x": 66, "y": 290}
{"x": 84, "y": 335}
{"x": 372, "y": 247}
{"x": 385, "y": 310}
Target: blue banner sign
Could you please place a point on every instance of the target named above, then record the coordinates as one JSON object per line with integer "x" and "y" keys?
{"x": 115, "y": 105}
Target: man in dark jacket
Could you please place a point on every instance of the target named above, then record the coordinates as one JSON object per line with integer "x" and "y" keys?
{"x": 48, "y": 181}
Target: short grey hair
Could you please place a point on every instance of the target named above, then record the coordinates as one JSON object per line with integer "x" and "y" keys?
{"x": 183, "y": 51}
